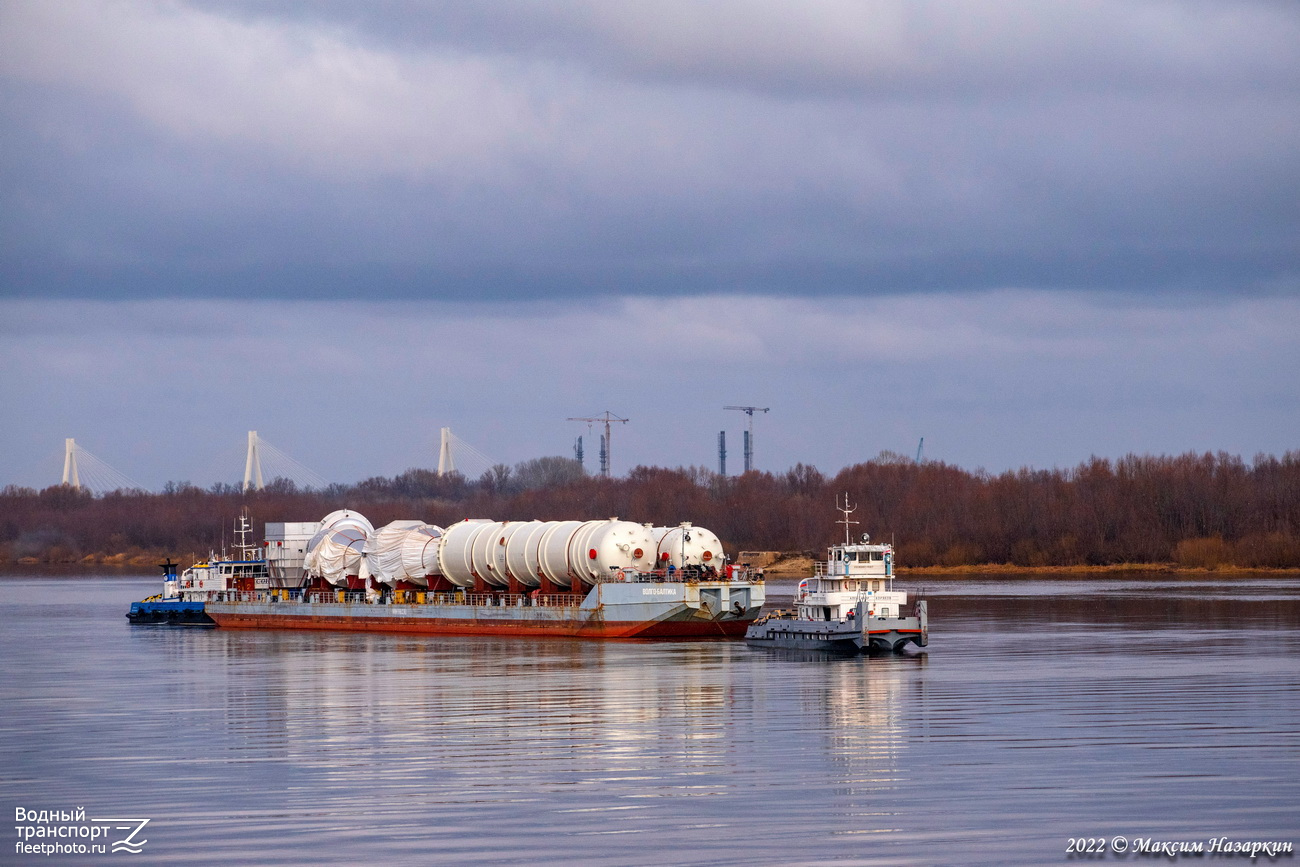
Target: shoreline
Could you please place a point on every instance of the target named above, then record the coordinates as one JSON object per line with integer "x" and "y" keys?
{"x": 1010, "y": 570}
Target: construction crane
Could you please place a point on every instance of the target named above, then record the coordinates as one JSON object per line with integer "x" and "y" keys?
{"x": 608, "y": 418}
{"x": 749, "y": 434}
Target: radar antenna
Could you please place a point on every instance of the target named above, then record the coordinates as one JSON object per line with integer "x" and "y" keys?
{"x": 847, "y": 510}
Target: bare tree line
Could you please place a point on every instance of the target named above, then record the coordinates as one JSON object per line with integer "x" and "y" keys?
{"x": 1191, "y": 509}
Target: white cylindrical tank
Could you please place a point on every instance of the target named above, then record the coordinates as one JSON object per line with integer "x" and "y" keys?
{"x": 455, "y": 550}
{"x": 420, "y": 553}
{"x": 335, "y": 558}
{"x": 553, "y": 551}
{"x": 599, "y": 550}
{"x": 522, "y": 549}
{"x": 483, "y": 554}
{"x": 499, "y": 553}
{"x": 687, "y": 545}
{"x": 338, "y": 555}
{"x": 346, "y": 518}
{"x": 336, "y": 521}
{"x": 383, "y": 551}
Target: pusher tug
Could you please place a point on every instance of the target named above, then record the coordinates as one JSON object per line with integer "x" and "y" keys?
{"x": 184, "y": 596}
{"x": 848, "y": 606}
{"x": 584, "y": 579}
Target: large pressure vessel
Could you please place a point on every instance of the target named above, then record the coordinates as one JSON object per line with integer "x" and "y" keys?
{"x": 335, "y": 552}
{"x": 498, "y": 551}
{"x": 599, "y": 550}
{"x": 403, "y": 551}
{"x": 346, "y": 518}
{"x": 420, "y": 554}
{"x": 455, "y": 551}
{"x": 339, "y": 555}
{"x": 522, "y": 551}
{"x": 337, "y": 521}
{"x": 483, "y": 554}
{"x": 553, "y": 551}
{"x": 687, "y": 545}
{"x": 383, "y": 551}
{"x": 560, "y": 551}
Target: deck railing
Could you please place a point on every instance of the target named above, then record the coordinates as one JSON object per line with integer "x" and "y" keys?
{"x": 412, "y": 598}
{"x": 523, "y": 600}
{"x": 690, "y": 575}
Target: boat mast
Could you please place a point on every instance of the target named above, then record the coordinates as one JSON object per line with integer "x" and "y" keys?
{"x": 847, "y": 510}
{"x": 242, "y": 529}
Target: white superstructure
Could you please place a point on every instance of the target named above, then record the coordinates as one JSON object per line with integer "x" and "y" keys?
{"x": 244, "y": 571}
{"x": 855, "y": 576}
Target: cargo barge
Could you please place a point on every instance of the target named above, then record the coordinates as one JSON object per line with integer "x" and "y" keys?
{"x": 583, "y": 579}
{"x": 644, "y": 607}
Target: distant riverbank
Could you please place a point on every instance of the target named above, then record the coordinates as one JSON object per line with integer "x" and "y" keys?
{"x": 134, "y": 559}
{"x": 1012, "y": 571}
{"x": 802, "y": 566}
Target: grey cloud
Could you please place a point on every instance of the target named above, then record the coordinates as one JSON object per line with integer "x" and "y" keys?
{"x": 943, "y": 49}
{"x": 577, "y": 150}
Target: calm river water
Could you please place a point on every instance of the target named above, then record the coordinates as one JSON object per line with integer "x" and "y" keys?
{"x": 1165, "y": 708}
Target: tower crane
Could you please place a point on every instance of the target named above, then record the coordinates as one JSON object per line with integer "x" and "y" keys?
{"x": 608, "y": 418}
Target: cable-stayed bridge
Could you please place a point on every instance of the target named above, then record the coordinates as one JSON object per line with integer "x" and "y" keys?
{"x": 85, "y": 472}
{"x": 457, "y": 456}
{"x": 264, "y": 462}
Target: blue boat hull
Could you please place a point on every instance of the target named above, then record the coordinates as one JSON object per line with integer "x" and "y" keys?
{"x": 170, "y": 612}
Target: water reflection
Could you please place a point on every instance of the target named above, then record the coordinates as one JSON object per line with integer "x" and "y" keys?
{"x": 1042, "y": 709}
{"x": 591, "y": 736}
{"x": 865, "y": 711}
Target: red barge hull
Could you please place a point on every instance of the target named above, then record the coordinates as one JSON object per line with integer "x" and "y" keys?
{"x": 461, "y": 626}
{"x": 609, "y": 611}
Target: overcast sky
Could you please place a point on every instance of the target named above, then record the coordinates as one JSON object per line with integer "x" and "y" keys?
{"x": 1029, "y": 232}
